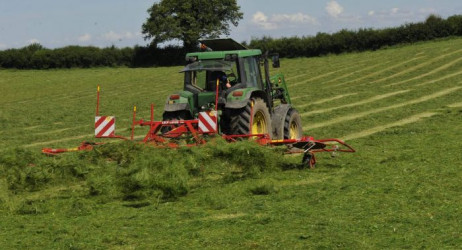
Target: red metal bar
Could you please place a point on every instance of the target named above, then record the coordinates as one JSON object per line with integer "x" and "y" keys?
{"x": 97, "y": 101}
{"x": 216, "y": 94}
{"x": 133, "y": 123}
{"x": 152, "y": 134}
{"x": 83, "y": 146}
{"x": 349, "y": 149}
{"x": 216, "y": 102}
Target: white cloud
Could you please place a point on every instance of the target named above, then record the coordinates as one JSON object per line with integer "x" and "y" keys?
{"x": 3, "y": 46}
{"x": 293, "y": 18}
{"x": 334, "y": 9}
{"x": 84, "y": 38}
{"x": 261, "y": 20}
{"x": 281, "y": 20}
{"x": 393, "y": 17}
{"x": 113, "y": 36}
{"x": 33, "y": 40}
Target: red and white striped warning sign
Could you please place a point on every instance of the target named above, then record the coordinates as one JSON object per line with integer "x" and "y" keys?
{"x": 207, "y": 122}
{"x": 104, "y": 126}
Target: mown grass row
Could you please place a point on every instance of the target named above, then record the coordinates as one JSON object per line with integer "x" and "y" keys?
{"x": 399, "y": 107}
{"x": 120, "y": 95}
{"x": 420, "y": 77}
{"x": 133, "y": 172}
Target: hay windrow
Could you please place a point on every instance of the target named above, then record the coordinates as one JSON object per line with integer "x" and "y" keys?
{"x": 132, "y": 171}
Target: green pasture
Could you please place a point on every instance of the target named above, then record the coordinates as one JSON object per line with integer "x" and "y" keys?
{"x": 400, "y": 108}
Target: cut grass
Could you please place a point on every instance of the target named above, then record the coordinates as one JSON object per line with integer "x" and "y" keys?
{"x": 401, "y": 189}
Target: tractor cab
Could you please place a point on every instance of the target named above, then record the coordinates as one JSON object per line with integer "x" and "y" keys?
{"x": 204, "y": 76}
{"x": 224, "y": 64}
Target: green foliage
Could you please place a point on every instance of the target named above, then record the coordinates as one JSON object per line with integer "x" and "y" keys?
{"x": 361, "y": 40}
{"x": 153, "y": 56}
{"x": 37, "y": 57}
{"x": 188, "y": 21}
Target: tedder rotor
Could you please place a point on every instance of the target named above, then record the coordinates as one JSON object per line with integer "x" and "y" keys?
{"x": 224, "y": 95}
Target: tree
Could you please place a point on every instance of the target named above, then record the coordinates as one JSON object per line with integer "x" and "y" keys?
{"x": 190, "y": 20}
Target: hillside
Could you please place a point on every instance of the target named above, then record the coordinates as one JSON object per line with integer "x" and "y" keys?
{"x": 400, "y": 107}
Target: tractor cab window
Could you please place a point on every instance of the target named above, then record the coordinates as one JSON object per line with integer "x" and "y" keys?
{"x": 252, "y": 72}
{"x": 202, "y": 75}
{"x": 197, "y": 79}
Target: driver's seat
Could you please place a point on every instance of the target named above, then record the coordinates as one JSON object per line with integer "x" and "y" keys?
{"x": 212, "y": 83}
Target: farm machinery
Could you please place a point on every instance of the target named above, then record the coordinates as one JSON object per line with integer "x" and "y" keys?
{"x": 227, "y": 92}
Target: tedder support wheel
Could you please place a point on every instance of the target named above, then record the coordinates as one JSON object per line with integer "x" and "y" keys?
{"x": 309, "y": 160}
{"x": 293, "y": 125}
{"x": 256, "y": 112}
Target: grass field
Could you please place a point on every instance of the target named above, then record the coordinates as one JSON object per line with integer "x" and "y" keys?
{"x": 401, "y": 108}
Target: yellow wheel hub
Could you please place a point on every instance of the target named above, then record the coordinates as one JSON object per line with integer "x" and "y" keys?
{"x": 259, "y": 123}
{"x": 293, "y": 131}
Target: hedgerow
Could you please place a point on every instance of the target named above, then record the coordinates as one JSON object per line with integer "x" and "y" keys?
{"x": 433, "y": 27}
{"x": 36, "y": 56}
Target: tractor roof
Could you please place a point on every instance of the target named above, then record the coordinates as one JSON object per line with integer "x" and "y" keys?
{"x": 219, "y": 48}
{"x": 211, "y": 65}
{"x": 223, "y": 44}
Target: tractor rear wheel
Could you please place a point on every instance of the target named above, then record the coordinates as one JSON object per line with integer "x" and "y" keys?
{"x": 252, "y": 119}
{"x": 293, "y": 125}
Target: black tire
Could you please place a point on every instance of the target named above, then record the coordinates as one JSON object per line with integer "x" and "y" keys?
{"x": 261, "y": 119}
{"x": 174, "y": 116}
{"x": 309, "y": 160}
{"x": 293, "y": 125}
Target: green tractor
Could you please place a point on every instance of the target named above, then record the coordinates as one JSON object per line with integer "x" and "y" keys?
{"x": 249, "y": 100}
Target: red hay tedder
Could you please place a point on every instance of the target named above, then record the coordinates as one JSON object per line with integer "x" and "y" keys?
{"x": 195, "y": 132}
{"x": 226, "y": 93}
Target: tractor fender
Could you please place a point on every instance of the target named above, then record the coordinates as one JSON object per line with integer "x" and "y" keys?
{"x": 241, "y": 102}
{"x": 277, "y": 120}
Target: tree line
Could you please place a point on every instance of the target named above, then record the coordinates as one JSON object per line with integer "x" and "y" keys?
{"x": 433, "y": 27}
{"x": 36, "y": 56}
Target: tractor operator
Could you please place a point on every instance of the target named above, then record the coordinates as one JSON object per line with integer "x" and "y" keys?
{"x": 224, "y": 79}
{"x": 221, "y": 76}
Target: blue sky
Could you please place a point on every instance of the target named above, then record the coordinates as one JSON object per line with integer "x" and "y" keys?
{"x": 58, "y": 23}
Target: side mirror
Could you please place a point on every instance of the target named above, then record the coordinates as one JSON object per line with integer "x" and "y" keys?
{"x": 275, "y": 59}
